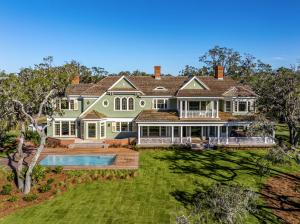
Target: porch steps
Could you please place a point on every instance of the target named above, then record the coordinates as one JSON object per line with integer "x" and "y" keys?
{"x": 198, "y": 146}
{"x": 88, "y": 145}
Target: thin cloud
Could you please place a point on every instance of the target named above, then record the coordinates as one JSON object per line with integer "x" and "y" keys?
{"x": 278, "y": 58}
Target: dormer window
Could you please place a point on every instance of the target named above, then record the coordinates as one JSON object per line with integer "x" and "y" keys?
{"x": 160, "y": 88}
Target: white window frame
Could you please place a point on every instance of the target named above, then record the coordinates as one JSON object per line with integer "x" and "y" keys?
{"x": 141, "y": 103}
{"x": 75, "y": 102}
{"x": 60, "y": 131}
{"x": 87, "y": 127}
{"x": 154, "y": 103}
{"x": 103, "y": 103}
{"x": 102, "y": 124}
{"x": 127, "y": 103}
{"x": 114, "y": 126}
{"x": 225, "y": 106}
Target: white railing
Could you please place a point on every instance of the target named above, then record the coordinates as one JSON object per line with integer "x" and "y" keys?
{"x": 199, "y": 114}
{"x": 241, "y": 141}
{"x": 165, "y": 140}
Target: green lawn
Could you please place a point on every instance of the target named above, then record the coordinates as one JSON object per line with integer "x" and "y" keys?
{"x": 165, "y": 185}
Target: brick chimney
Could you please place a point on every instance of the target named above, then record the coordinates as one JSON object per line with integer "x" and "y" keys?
{"x": 219, "y": 72}
{"x": 157, "y": 72}
{"x": 75, "y": 80}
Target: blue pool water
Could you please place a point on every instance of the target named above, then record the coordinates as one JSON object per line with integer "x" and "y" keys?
{"x": 78, "y": 160}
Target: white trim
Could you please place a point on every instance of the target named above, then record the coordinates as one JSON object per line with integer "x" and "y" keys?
{"x": 62, "y": 119}
{"x": 141, "y": 104}
{"x": 122, "y": 77}
{"x": 194, "y": 77}
{"x": 200, "y": 97}
{"x": 104, "y": 125}
{"x": 87, "y": 131}
{"x": 121, "y": 103}
{"x": 87, "y": 109}
{"x": 119, "y": 119}
{"x": 158, "y": 97}
{"x": 106, "y": 100}
{"x": 160, "y": 88}
{"x": 60, "y": 131}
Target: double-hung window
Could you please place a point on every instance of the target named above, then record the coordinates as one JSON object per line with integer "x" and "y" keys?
{"x": 227, "y": 106}
{"x": 65, "y": 104}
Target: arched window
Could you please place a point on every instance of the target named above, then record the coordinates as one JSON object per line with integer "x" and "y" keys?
{"x": 130, "y": 104}
{"x": 117, "y": 104}
{"x": 124, "y": 103}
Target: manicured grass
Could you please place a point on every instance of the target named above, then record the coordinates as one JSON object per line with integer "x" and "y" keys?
{"x": 165, "y": 185}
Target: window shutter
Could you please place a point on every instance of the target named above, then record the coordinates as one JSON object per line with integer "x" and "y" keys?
{"x": 75, "y": 104}
{"x": 113, "y": 126}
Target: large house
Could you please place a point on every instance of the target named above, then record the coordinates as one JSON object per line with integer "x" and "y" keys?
{"x": 157, "y": 110}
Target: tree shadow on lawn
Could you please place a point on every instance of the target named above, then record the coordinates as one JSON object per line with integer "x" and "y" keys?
{"x": 222, "y": 167}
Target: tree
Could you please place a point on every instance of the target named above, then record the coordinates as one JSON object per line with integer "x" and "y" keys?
{"x": 87, "y": 75}
{"x": 190, "y": 71}
{"x": 226, "y": 57}
{"x": 33, "y": 92}
{"x": 279, "y": 99}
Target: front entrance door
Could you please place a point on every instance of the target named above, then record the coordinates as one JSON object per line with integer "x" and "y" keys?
{"x": 91, "y": 130}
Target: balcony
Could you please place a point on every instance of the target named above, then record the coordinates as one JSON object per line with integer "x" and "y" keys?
{"x": 201, "y": 114}
{"x": 198, "y": 108}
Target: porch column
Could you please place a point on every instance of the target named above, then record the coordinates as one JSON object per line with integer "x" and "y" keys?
{"x": 139, "y": 134}
{"x": 208, "y": 131}
{"x": 218, "y": 134}
{"x": 172, "y": 134}
{"x": 202, "y": 132}
{"x": 180, "y": 108}
{"x": 186, "y": 105}
{"x": 217, "y": 108}
{"x": 212, "y": 108}
{"x": 181, "y": 134}
{"x": 227, "y": 140}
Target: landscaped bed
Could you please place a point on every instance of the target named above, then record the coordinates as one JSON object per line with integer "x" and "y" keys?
{"x": 163, "y": 189}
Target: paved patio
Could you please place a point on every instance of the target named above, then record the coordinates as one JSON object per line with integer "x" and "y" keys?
{"x": 126, "y": 158}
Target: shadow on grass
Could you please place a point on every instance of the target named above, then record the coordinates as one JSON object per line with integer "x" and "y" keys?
{"x": 219, "y": 166}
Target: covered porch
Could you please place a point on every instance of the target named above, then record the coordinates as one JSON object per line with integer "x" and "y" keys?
{"x": 210, "y": 134}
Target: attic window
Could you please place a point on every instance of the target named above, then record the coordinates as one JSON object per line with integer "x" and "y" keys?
{"x": 160, "y": 88}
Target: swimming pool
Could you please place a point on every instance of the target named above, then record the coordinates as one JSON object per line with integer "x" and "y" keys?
{"x": 78, "y": 160}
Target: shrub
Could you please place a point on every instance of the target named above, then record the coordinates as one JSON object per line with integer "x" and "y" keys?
{"x": 30, "y": 197}
{"x": 6, "y": 189}
{"x": 44, "y": 188}
{"x": 58, "y": 169}
{"x": 11, "y": 176}
{"x": 32, "y": 136}
{"x": 221, "y": 204}
{"x": 263, "y": 167}
{"x": 277, "y": 156}
{"x": 38, "y": 173}
{"x": 12, "y": 199}
{"x": 50, "y": 180}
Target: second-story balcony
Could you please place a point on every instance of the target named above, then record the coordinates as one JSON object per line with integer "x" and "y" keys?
{"x": 198, "y": 108}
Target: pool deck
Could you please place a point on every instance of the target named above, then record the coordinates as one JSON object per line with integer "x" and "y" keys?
{"x": 126, "y": 158}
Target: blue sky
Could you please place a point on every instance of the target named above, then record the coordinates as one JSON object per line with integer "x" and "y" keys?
{"x": 138, "y": 34}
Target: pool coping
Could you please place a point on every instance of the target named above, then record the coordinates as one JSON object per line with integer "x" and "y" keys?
{"x": 125, "y": 158}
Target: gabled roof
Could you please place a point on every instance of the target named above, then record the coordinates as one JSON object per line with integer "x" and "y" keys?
{"x": 240, "y": 91}
{"x": 194, "y": 78}
{"x": 94, "y": 115}
{"x": 173, "y": 85}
